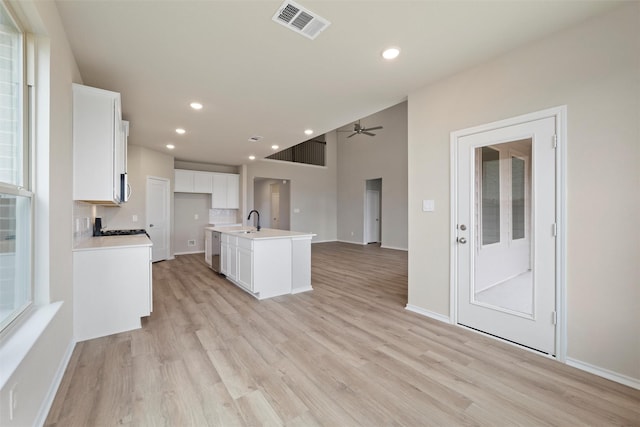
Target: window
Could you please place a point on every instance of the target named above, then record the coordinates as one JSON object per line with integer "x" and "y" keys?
{"x": 16, "y": 201}
{"x": 490, "y": 196}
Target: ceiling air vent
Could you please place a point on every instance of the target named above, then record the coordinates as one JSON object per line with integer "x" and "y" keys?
{"x": 300, "y": 20}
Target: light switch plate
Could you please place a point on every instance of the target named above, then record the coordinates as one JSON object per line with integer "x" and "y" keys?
{"x": 428, "y": 205}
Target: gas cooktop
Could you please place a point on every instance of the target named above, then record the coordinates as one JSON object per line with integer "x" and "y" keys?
{"x": 123, "y": 232}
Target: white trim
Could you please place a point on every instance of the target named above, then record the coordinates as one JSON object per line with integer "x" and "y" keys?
{"x": 436, "y": 316}
{"x": 17, "y": 344}
{"x": 560, "y": 115}
{"x": 394, "y": 248}
{"x": 322, "y": 241}
{"x": 300, "y": 290}
{"x": 353, "y": 243}
{"x": 55, "y": 384}
{"x": 188, "y": 253}
{"x": 604, "y": 373}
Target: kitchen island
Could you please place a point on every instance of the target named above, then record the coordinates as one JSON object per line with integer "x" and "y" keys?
{"x": 266, "y": 263}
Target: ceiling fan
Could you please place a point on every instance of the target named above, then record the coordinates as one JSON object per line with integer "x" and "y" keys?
{"x": 357, "y": 130}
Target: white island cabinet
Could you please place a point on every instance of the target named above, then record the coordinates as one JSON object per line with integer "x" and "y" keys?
{"x": 112, "y": 285}
{"x": 267, "y": 263}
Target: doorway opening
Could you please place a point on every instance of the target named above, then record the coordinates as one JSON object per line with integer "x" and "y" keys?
{"x": 373, "y": 211}
{"x": 272, "y": 198}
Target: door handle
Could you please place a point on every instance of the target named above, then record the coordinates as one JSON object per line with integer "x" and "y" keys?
{"x": 150, "y": 225}
{"x": 462, "y": 240}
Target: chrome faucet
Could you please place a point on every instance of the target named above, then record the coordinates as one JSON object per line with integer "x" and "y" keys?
{"x": 258, "y": 215}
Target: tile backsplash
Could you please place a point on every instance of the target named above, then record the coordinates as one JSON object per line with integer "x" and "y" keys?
{"x": 223, "y": 216}
{"x": 83, "y": 216}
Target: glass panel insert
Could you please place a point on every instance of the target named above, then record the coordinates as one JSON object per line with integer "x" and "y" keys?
{"x": 490, "y": 196}
{"x": 15, "y": 250}
{"x": 517, "y": 198}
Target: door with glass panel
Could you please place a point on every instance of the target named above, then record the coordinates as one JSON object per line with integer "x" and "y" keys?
{"x": 505, "y": 230}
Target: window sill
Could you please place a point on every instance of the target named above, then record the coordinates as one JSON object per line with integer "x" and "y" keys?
{"x": 16, "y": 345}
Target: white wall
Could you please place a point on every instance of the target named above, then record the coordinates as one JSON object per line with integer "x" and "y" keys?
{"x": 313, "y": 191}
{"x": 186, "y": 226}
{"x": 383, "y": 156}
{"x": 141, "y": 163}
{"x": 40, "y": 370}
{"x": 594, "y": 69}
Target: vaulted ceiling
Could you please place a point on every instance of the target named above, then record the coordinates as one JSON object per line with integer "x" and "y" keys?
{"x": 257, "y": 78}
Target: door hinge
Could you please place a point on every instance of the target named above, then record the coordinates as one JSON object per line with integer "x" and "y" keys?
{"x": 554, "y": 141}
{"x": 554, "y": 229}
{"x": 554, "y": 318}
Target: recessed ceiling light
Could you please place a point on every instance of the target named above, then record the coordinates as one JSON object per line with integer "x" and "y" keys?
{"x": 252, "y": 157}
{"x": 391, "y": 53}
{"x": 196, "y": 105}
{"x": 171, "y": 146}
{"x": 308, "y": 131}
{"x": 275, "y": 147}
{"x": 180, "y": 131}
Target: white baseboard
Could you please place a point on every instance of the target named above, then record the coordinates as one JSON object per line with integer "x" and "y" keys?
{"x": 350, "y": 242}
{"x": 394, "y": 248}
{"x": 188, "y": 253}
{"x": 604, "y": 373}
{"x": 322, "y": 241}
{"x": 299, "y": 290}
{"x": 427, "y": 313}
{"x": 55, "y": 384}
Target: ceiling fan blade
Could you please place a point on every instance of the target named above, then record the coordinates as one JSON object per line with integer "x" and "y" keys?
{"x": 373, "y": 128}
{"x": 355, "y": 133}
{"x": 368, "y": 133}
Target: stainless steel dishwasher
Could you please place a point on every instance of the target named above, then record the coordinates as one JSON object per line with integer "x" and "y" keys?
{"x": 215, "y": 251}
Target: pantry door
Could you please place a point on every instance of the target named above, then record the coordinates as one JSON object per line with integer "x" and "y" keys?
{"x": 505, "y": 232}
{"x": 158, "y": 205}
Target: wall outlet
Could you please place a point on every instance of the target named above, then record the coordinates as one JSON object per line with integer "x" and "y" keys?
{"x": 352, "y": 233}
{"x": 134, "y": 218}
{"x": 196, "y": 216}
{"x": 191, "y": 242}
{"x": 296, "y": 210}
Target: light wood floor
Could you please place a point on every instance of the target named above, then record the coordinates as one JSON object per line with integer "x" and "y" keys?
{"x": 345, "y": 354}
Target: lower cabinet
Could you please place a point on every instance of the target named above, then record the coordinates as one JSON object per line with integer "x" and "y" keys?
{"x": 112, "y": 289}
{"x": 245, "y": 268}
{"x": 261, "y": 267}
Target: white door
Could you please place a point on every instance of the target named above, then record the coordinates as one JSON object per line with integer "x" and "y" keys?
{"x": 158, "y": 217}
{"x": 372, "y": 216}
{"x": 505, "y": 232}
{"x": 275, "y": 206}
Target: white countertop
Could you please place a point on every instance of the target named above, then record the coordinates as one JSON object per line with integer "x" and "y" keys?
{"x": 109, "y": 242}
{"x": 263, "y": 234}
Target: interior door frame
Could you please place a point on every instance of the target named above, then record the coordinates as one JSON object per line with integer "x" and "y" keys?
{"x": 560, "y": 115}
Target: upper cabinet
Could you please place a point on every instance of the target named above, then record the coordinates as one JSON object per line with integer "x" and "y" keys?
{"x": 99, "y": 146}
{"x": 226, "y": 189}
{"x": 223, "y": 187}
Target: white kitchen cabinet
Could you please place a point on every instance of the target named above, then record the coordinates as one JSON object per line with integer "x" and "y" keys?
{"x": 99, "y": 145}
{"x": 188, "y": 181}
{"x": 267, "y": 266}
{"x": 183, "y": 181}
{"x": 112, "y": 289}
{"x": 202, "y": 182}
{"x": 245, "y": 264}
{"x": 226, "y": 189}
{"x": 207, "y": 246}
